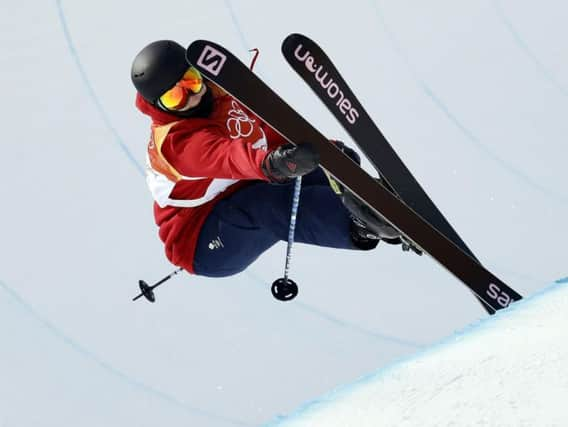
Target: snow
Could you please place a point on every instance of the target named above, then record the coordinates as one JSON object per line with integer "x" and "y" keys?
{"x": 509, "y": 370}
{"x": 472, "y": 95}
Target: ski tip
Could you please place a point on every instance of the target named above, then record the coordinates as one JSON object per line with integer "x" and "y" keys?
{"x": 208, "y": 57}
{"x": 201, "y": 49}
{"x": 294, "y": 35}
{"x": 193, "y": 47}
{"x": 291, "y": 41}
{"x": 198, "y": 43}
{"x": 295, "y": 40}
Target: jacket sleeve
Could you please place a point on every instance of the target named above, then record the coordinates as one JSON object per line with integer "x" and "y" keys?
{"x": 208, "y": 153}
{"x": 274, "y": 139}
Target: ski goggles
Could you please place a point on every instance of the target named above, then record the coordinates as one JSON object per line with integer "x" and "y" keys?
{"x": 190, "y": 84}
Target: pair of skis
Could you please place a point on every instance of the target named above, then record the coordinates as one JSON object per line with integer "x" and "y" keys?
{"x": 404, "y": 204}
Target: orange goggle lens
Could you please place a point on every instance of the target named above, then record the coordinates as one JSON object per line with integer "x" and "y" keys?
{"x": 191, "y": 83}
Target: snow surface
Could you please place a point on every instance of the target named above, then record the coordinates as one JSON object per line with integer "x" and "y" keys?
{"x": 509, "y": 370}
{"x": 472, "y": 95}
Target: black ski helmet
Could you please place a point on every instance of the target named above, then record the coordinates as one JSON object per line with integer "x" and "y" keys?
{"x": 157, "y": 68}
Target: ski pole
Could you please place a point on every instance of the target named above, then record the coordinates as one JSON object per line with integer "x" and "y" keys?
{"x": 285, "y": 289}
{"x": 148, "y": 291}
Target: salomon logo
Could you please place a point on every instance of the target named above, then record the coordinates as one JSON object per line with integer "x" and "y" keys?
{"x": 498, "y": 295}
{"x": 328, "y": 84}
{"x": 211, "y": 60}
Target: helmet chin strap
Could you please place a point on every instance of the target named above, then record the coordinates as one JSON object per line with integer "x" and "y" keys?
{"x": 203, "y": 109}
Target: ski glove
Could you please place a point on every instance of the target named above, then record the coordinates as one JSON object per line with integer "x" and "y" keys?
{"x": 290, "y": 161}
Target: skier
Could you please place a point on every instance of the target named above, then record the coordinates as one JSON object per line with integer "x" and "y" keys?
{"x": 222, "y": 180}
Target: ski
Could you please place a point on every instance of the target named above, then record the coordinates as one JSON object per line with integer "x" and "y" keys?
{"x": 311, "y": 63}
{"x": 225, "y": 70}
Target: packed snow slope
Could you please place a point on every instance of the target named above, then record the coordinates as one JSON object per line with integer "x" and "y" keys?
{"x": 509, "y": 370}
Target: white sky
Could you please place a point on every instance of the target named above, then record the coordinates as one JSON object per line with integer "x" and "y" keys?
{"x": 472, "y": 96}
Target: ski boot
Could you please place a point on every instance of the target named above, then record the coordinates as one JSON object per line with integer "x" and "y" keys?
{"x": 365, "y": 223}
{"x": 368, "y": 228}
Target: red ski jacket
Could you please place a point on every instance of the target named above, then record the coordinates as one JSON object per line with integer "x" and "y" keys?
{"x": 193, "y": 163}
